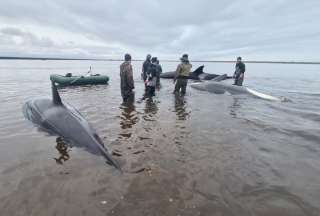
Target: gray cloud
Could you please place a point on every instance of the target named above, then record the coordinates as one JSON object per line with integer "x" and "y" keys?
{"x": 21, "y": 38}
{"x": 206, "y": 29}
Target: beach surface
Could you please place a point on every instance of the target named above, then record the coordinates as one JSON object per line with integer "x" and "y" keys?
{"x": 201, "y": 154}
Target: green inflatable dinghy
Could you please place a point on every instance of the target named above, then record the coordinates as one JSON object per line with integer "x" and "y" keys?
{"x": 70, "y": 80}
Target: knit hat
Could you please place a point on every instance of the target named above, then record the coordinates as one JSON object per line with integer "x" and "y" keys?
{"x": 127, "y": 57}
{"x": 184, "y": 57}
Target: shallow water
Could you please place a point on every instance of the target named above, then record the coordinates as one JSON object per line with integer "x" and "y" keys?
{"x": 203, "y": 154}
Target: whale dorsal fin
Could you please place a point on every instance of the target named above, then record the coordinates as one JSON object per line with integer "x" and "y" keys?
{"x": 198, "y": 71}
{"x": 55, "y": 94}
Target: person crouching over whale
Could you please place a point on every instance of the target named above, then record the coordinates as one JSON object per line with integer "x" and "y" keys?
{"x": 151, "y": 80}
{"x": 126, "y": 76}
{"x": 182, "y": 74}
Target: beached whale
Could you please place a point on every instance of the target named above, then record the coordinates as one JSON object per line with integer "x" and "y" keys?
{"x": 198, "y": 74}
{"x": 221, "y": 87}
{"x": 57, "y": 118}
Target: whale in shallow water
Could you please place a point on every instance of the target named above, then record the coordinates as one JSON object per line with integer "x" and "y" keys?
{"x": 221, "y": 87}
{"x": 198, "y": 74}
{"x": 57, "y": 118}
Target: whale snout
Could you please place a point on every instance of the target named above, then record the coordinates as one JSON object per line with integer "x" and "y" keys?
{"x": 104, "y": 152}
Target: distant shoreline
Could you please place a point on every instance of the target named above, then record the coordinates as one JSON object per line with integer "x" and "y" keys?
{"x": 212, "y": 61}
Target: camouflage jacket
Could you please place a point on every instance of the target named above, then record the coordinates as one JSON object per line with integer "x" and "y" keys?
{"x": 126, "y": 76}
{"x": 183, "y": 69}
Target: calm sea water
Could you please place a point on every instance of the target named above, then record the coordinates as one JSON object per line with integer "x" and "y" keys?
{"x": 203, "y": 154}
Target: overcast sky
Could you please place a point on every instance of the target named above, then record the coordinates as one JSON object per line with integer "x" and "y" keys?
{"x": 206, "y": 29}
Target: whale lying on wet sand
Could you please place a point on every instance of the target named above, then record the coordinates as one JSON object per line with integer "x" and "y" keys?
{"x": 57, "y": 118}
{"x": 198, "y": 74}
{"x": 221, "y": 87}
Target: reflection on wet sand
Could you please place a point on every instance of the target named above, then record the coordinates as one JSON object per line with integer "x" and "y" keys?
{"x": 150, "y": 110}
{"x": 128, "y": 115}
{"x": 236, "y": 105}
{"x": 62, "y": 147}
{"x": 133, "y": 139}
{"x": 180, "y": 107}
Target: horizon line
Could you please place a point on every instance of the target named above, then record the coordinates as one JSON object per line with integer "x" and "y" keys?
{"x": 100, "y": 59}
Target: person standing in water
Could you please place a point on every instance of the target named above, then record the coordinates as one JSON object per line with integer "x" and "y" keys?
{"x": 145, "y": 68}
{"x": 159, "y": 71}
{"x": 126, "y": 76}
{"x": 151, "y": 80}
{"x": 239, "y": 72}
{"x": 182, "y": 74}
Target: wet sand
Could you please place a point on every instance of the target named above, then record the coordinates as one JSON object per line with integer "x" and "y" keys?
{"x": 193, "y": 155}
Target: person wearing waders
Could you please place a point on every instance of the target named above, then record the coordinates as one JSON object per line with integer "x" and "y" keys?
{"x": 151, "y": 80}
{"x": 145, "y": 68}
{"x": 159, "y": 71}
{"x": 239, "y": 72}
{"x": 182, "y": 74}
{"x": 126, "y": 78}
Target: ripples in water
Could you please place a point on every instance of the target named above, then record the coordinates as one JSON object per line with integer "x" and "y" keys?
{"x": 180, "y": 155}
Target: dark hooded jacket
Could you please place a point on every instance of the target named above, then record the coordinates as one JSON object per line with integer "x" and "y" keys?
{"x": 152, "y": 74}
{"x": 240, "y": 67}
{"x": 145, "y": 68}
